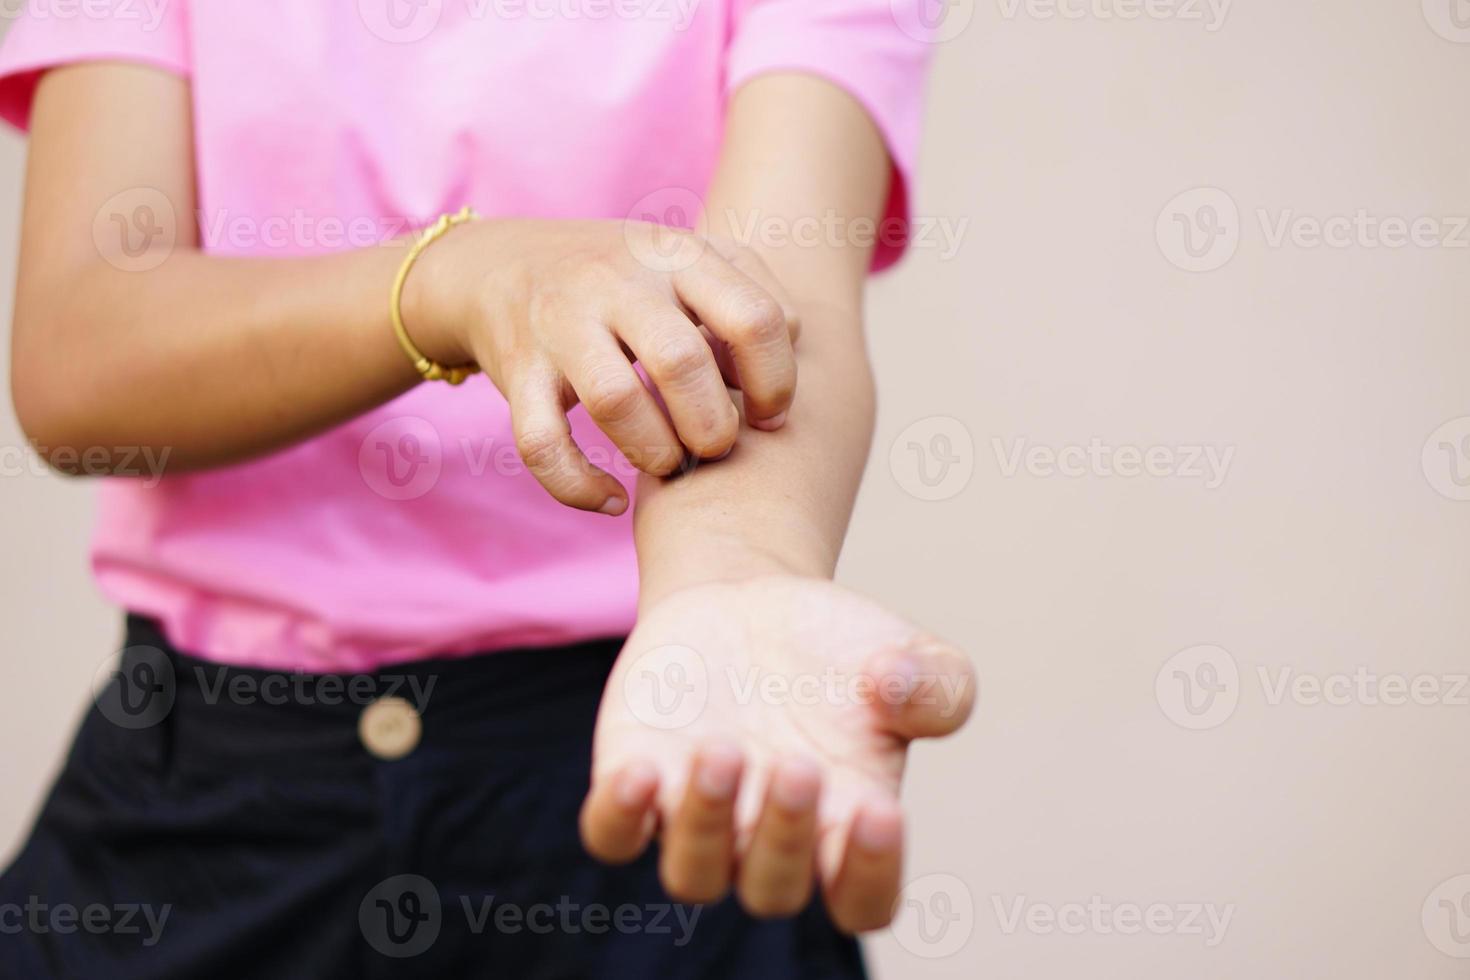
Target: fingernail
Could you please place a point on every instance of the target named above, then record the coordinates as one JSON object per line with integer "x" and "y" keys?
{"x": 634, "y": 783}
{"x": 719, "y": 774}
{"x": 772, "y": 423}
{"x": 613, "y": 506}
{"x": 796, "y": 786}
{"x": 878, "y": 828}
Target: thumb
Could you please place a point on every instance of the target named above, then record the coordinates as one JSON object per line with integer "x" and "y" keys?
{"x": 926, "y": 688}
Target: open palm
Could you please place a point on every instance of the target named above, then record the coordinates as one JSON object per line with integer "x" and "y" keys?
{"x": 762, "y": 727}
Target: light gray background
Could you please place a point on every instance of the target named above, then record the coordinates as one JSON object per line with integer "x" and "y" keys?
{"x": 1324, "y": 829}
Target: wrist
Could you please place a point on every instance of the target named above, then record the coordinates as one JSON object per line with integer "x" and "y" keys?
{"x": 718, "y": 560}
{"x": 437, "y": 305}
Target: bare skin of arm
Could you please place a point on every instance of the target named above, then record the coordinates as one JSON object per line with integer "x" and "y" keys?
{"x": 218, "y": 359}
{"x": 775, "y": 794}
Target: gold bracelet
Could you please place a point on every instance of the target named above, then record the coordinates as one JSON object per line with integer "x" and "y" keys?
{"x": 431, "y": 370}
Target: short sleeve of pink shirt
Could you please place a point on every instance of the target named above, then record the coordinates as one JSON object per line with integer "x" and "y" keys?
{"x": 859, "y": 46}
{"x": 414, "y": 530}
{"x": 52, "y": 34}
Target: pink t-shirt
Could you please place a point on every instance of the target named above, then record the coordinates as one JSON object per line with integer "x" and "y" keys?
{"x": 414, "y": 530}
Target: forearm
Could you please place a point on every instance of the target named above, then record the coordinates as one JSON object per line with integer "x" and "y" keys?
{"x": 781, "y": 501}
{"x": 214, "y": 359}
{"x": 209, "y": 359}
{"x": 796, "y": 148}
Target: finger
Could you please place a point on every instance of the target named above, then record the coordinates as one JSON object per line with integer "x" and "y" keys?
{"x": 737, "y": 310}
{"x": 721, "y": 350}
{"x": 925, "y": 690}
{"x": 862, "y": 895}
{"x": 622, "y": 406}
{"x": 544, "y": 440}
{"x": 699, "y": 842}
{"x": 750, "y": 263}
{"x": 682, "y": 366}
{"x": 777, "y": 872}
{"x": 617, "y": 818}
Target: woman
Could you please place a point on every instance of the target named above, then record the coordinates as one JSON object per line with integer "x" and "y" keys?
{"x": 374, "y": 615}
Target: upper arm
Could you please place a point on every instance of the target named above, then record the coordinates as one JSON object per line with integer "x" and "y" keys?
{"x": 109, "y": 183}
{"x": 803, "y": 178}
{"x": 110, "y": 148}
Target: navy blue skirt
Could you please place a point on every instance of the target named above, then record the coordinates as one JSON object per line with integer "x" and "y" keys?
{"x": 421, "y": 821}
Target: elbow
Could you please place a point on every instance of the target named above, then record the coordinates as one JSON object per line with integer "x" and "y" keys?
{"x": 52, "y": 405}
{"x": 64, "y": 385}
{"x": 72, "y": 445}
{"x": 52, "y": 434}
{"x": 69, "y": 423}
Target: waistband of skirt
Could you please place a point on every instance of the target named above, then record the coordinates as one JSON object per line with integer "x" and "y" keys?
{"x": 505, "y": 701}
